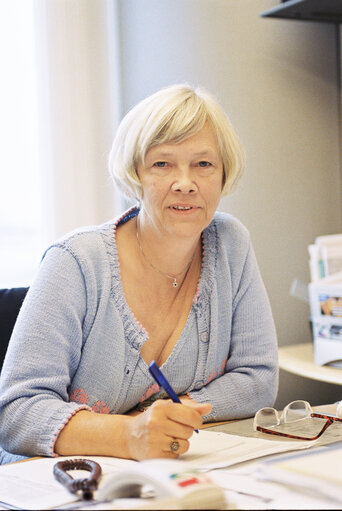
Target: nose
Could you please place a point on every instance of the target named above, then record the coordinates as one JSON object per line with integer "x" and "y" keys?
{"x": 184, "y": 182}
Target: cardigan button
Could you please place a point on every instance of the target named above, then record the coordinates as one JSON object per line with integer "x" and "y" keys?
{"x": 205, "y": 337}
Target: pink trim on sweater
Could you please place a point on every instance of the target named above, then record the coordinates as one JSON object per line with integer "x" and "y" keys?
{"x": 198, "y": 290}
{"x": 100, "y": 407}
{"x": 212, "y": 376}
{"x": 79, "y": 396}
{"x": 223, "y": 366}
{"x": 64, "y": 423}
{"x": 126, "y": 213}
{"x": 149, "y": 392}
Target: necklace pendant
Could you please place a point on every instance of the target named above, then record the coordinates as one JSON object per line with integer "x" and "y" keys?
{"x": 175, "y": 283}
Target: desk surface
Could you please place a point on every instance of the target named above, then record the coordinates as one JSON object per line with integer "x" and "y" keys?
{"x": 299, "y": 359}
{"x": 244, "y": 427}
{"x": 242, "y": 486}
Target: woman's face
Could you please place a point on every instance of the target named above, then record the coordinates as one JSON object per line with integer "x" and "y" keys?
{"x": 182, "y": 184}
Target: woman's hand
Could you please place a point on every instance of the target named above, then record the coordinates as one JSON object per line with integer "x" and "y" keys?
{"x": 150, "y": 434}
{"x": 147, "y": 435}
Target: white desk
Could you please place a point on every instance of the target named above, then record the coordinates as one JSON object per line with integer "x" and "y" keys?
{"x": 299, "y": 359}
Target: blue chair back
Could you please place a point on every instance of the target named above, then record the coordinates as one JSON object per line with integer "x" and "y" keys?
{"x": 10, "y": 303}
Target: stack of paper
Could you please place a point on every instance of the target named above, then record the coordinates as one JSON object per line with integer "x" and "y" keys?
{"x": 325, "y": 256}
{"x": 326, "y": 316}
{"x": 31, "y": 485}
{"x": 325, "y": 293}
{"x": 319, "y": 472}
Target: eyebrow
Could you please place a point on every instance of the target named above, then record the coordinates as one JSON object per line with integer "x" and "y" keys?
{"x": 205, "y": 152}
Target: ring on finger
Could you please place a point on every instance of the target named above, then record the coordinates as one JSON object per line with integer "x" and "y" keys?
{"x": 174, "y": 445}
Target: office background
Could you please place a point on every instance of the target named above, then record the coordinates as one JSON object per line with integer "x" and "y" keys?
{"x": 279, "y": 82}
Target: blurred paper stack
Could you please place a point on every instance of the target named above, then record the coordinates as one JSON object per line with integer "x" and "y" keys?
{"x": 325, "y": 291}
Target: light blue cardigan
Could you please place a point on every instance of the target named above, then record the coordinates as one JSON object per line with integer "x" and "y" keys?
{"x": 76, "y": 344}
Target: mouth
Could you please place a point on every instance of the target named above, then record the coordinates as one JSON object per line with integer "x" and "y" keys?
{"x": 178, "y": 207}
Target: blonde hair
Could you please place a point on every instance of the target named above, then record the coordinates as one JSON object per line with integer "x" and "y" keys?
{"x": 170, "y": 116}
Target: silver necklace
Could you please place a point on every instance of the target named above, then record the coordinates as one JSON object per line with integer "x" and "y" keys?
{"x": 174, "y": 279}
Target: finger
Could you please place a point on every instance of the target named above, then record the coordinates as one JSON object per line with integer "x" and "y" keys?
{"x": 172, "y": 419}
{"x": 173, "y": 428}
{"x": 187, "y": 416}
{"x": 175, "y": 446}
{"x": 166, "y": 447}
{"x": 201, "y": 408}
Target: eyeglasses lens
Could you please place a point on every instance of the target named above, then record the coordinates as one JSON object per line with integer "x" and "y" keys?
{"x": 267, "y": 418}
{"x": 296, "y": 411}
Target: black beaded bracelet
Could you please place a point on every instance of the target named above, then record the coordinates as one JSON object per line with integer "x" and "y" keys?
{"x": 85, "y": 485}
{"x": 144, "y": 405}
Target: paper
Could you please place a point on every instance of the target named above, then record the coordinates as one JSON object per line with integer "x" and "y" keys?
{"x": 325, "y": 256}
{"x": 31, "y": 485}
{"x": 210, "y": 450}
{"x": 319, "y": 471}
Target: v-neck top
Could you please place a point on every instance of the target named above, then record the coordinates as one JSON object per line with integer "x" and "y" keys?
{"x": 135, "y": 331}
{"x": 76, "y": 344}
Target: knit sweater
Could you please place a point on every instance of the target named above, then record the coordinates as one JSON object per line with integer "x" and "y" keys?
{"x": 76, "y": 343}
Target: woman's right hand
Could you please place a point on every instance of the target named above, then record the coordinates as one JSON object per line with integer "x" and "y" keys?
{"x": 151, "y": 433}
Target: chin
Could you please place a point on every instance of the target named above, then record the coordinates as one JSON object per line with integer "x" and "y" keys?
{"x": 187, "y": 232}
{"x": 186, "y": 227}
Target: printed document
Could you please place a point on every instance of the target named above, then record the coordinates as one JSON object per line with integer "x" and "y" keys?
{"x": 31, "y": 485}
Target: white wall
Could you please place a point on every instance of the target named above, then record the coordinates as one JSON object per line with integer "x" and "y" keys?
{"x": 277, "y": 80}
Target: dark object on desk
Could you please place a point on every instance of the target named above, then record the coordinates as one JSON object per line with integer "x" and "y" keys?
{"x": 10, "y": 303}
{"x": 85, "y": 485}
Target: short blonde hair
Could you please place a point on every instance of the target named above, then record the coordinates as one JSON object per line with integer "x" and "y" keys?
{"x": 170, "y": 116}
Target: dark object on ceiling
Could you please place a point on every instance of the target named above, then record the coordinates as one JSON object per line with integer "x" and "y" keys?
{"x": 329, "y": 11}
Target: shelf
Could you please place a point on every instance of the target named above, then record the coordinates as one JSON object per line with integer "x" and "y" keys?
{"x": 299, "y": 359}
{"x": 329, "y": 11}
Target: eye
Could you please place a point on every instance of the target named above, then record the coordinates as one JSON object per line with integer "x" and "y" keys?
{"x": 204, "y": 164}
{"x": 160, "y": 164}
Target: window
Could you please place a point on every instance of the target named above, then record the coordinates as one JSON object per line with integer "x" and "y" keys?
{"x": 20, "y": 197}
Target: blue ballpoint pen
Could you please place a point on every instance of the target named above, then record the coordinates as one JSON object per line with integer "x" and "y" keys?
{"x": 162, "y": 382}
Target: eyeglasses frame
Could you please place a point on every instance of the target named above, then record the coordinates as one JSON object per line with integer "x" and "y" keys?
{"x": 330, "y": 419}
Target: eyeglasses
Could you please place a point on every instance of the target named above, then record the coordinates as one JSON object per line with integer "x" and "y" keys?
{"x": 267, "y": 418}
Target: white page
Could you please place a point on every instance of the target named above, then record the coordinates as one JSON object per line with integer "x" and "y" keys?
{"x": 31, "y": 485}
{"x": 208, "y": 450}
{"x": 315, "y": 474}
{"x": 260, "y": 485}
{"x": 319, "y": 471}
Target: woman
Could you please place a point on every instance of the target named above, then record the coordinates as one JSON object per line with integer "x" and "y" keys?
{"x": 171, "y": 280}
